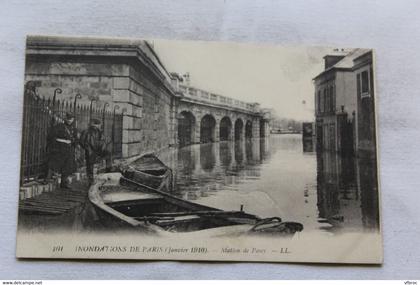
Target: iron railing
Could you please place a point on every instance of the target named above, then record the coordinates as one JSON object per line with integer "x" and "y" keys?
{"x": 41, "y": 114}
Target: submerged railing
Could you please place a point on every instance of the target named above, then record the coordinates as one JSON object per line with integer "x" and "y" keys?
{"x": 41, "y": 114}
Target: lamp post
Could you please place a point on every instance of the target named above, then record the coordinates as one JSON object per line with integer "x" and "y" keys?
{"x": 103, "y": 115}
{"x": 91, "y": 108}
{"x": 56, "y": 91}
{"x": 78, "y": 96}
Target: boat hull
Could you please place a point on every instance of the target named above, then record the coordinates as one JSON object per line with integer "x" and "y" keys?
{"x": 124, "y": 203}
{"x": 150, "y": 171}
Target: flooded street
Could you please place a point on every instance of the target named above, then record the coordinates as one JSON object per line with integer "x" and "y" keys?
{"x": 275, "y": 177}
{"x": 272, "y": 177}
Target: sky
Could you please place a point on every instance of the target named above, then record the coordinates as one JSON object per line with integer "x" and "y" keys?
{"x": 276, "y": 77}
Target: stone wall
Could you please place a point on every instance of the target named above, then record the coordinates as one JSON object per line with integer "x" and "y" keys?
{"x": 91, "y": 80}
{"x": 148, "y": 123}
{"x": 148, "y": 126}
{"x": 128, "y": 74}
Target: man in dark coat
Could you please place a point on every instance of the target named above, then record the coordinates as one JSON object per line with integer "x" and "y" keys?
{"x": 61, "y": 144}
{"x": 95, "y": 146}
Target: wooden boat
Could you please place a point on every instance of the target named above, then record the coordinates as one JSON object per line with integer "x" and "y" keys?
{"x": 150, "y": 171}
{"x": 125, "y": 202}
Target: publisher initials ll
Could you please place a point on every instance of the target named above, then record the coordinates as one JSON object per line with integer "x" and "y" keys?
{"x": 284, "y": 250}
{"x": 57, "y": 248}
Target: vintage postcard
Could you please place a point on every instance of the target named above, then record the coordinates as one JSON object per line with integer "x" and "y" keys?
{"x": 185, "y": 150}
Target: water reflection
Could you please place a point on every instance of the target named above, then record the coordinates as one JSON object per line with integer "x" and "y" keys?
{"x": 270, "y": 177}
{"x": 264, "y": 149}
{"x": 279, "y": 177}
{"x": 239, "y": 152}
{"x": 225, "y": 154}
{"x": 208, "y": 156}
{"x": 308, "y": 145}
{"x": 368, "y": 185}
{"x": 347, "y": 191}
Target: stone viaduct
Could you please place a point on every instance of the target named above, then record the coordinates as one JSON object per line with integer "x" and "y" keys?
{"x": 208, "y": 117}
{"x": 161, "y": 111}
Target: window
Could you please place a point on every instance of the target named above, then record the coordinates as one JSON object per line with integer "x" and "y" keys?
{"x": 371, "y": 80}
{"x": 325, "y": 100}
{"x": 321, "y": 102}
{"x": 363, "y": 84}
{"x": 332, "y": 100}
{"x": 332, "y": 137}
{"x": 318, "y": 100}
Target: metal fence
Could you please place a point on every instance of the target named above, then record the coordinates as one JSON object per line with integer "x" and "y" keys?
{"x": 40, "y": 114}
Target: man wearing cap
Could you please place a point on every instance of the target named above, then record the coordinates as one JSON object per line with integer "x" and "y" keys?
{"x": 61, "y": 144}
{"x": 95, "y": 146}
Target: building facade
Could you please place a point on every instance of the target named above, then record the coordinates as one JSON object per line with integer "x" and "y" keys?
{"x": 336, "y": 105}
{"x": 363, "y": 69}
{"x": 124, "y": 73}
{"x": 129, "y": 76}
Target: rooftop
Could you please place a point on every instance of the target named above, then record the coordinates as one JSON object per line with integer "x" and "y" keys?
{"x": 346, "y": 62}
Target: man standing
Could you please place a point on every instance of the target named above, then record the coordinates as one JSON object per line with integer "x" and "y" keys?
{"x": 95, "y": 146}
{"x": 61, "y": 144}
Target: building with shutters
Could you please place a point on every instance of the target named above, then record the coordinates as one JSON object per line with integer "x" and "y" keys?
{"x": 336, "y": 102}
{"x": 366, "y": 136}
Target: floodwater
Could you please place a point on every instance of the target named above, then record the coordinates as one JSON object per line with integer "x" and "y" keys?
{"x": 275, "y": 177}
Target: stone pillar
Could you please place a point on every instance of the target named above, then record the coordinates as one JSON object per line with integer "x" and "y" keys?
{"x": 232, "y": 154}
{"x": 195, "y": 151}
{"x": 242, "y": 131}
{"x": 217, "y": 155}
{"x": 173, "y": 121}
{"x": 256, "y": 150}
{"x": 130, "y": 98}
{"x": 266, "y": 129}
{"x": 193, "y": 134}
{"x": 232, "y": 133}
{"x": 197, "y": 130}
{"x": 216, "y": 131}
{"x": 256, "y": 128}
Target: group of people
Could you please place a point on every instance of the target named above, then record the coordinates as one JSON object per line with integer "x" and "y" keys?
{"x": 62, "y": 140}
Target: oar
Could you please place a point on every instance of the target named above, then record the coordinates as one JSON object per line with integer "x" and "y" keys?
{"x": 144, "y": 186}
{"x": 175, "y": 214}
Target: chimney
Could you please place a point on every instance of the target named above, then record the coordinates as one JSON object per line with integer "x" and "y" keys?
{"x": 330, "y": 60}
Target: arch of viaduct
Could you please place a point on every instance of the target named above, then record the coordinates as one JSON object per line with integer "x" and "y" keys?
{"x": 202, "y": 123}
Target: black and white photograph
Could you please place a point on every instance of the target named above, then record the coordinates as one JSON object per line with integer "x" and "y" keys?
{"x": 198, "y": 150}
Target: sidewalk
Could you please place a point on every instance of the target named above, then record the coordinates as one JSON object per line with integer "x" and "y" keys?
{"x": 54, "y": 201}
{"x": 46, "y": 207}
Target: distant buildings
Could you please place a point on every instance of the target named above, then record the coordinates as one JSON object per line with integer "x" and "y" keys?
{"x": 344, "y": 103}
